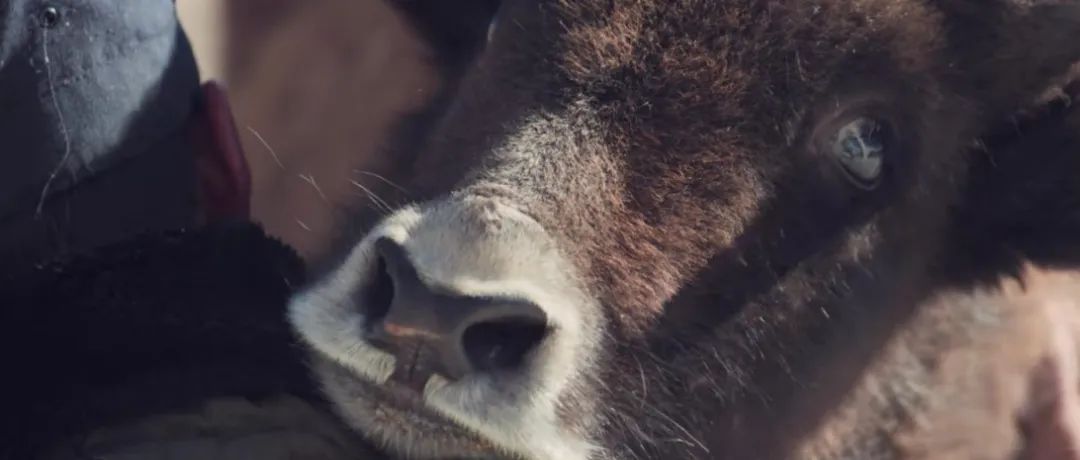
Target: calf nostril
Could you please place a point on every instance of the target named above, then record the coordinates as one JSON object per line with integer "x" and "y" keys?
{"x": 503, "y": 343}
{"x": 461, "y": 333}
{"x": 378, "y": 294}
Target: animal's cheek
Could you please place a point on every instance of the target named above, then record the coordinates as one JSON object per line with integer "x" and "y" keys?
{"x": 636, "y": 270}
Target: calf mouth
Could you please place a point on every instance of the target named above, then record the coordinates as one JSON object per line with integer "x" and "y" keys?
{"x": 393, "y": 414}
{"x": 399, "y": 415}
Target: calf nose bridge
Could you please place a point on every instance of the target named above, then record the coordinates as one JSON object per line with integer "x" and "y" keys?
{"x": 432, "y": 330}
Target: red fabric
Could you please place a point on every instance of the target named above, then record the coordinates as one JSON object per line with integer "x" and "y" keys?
{"x": 224, "y": 177}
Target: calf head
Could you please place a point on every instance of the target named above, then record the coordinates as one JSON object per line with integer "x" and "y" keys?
{"x": 668, "y": 229}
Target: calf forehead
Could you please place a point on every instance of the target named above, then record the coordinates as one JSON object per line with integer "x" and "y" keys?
{"x": 688, "y": 78}
{"x": 698, "y": 89}
{"x": 698, "y": 97}
{"x": 734, "y": 40}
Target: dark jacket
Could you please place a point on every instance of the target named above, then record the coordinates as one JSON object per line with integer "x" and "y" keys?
{"x": 183, "y": 325}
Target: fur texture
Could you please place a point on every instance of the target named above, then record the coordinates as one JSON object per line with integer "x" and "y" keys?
{"x": 750, "y": 300}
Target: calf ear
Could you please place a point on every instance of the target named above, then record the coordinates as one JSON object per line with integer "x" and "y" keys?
{"x": 455, "y": 29}
{"x": 1013, "y": 49}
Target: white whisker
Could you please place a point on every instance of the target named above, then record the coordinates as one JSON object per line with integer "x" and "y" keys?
{"x": 262, "y": 141}
{"x": 385, "y": 180}
{"x": 311, "y": 180}
{"x": 379, "y": 202}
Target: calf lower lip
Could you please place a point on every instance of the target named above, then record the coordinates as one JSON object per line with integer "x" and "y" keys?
{"x": 407, "y": 406}
{"x": 406, "y": 399}
{"x": 405, "y": 396}
{"x": 402, "y": 410}
{"x": 414, "y": 378}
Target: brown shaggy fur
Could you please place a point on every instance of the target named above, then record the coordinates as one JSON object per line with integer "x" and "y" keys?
{"x": 756, "y": 305}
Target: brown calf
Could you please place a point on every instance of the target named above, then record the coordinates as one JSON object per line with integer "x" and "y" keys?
{"x": 699, "y": 229}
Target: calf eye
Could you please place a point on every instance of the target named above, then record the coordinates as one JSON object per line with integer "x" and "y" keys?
{"x": 860, "y": 147}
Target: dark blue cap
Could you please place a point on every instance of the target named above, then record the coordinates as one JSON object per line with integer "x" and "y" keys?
{"x": 88, "y": 87}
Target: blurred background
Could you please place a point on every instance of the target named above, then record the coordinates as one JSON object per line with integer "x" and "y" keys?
{"x": 318, "y": 81}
